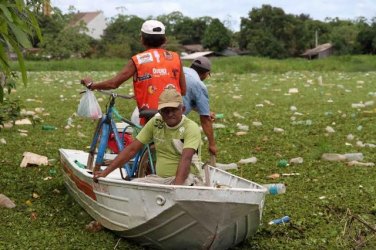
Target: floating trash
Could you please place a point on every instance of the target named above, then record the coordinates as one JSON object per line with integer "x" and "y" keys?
{"x": 282, "y": 220}
{"x": 6, "y": 202}
{"x": 360, "y": 164}
{"x": 251, "y": 160}
{"x": 278, "y": 130}
{"x": 282, "y": 163}
{"x": 293, "y": 91}
{"x": 242, "y": 127}
{"x": 257, "y": 124}
{"x": 297, "y": 160}
{"x": 329, "y": 129}
{"x": 228, "y": 166}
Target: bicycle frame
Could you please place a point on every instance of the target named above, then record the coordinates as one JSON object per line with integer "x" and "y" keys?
{"x": 105, "y": 127}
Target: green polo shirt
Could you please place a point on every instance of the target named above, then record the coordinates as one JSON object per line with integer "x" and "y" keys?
{"x": 168, "y": 158}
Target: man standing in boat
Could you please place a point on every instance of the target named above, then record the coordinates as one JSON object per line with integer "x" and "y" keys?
{"x": 152, "y": 70}
{"x": 166, "y": 129}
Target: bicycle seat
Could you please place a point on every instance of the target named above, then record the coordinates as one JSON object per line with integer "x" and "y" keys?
{"x": 147, "y": 113}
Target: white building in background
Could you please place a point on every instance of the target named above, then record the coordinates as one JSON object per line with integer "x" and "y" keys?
{"x": 94, "y": 21}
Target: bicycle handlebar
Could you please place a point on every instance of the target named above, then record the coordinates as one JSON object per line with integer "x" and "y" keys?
{"x": 113, "y": 94}
{"x": 116, "y": 94}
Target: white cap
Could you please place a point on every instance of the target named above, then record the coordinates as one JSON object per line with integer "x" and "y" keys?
{"x": 153, "y": 27}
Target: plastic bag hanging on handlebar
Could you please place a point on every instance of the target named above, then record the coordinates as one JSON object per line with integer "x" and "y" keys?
{"x": 89, "y": 106}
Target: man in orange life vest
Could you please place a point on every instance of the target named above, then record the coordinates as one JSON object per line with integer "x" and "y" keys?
{"x": 152, "y": 70}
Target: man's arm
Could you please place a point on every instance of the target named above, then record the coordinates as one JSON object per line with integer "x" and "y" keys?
{"x": 128, "y": 71}
{"x": 182, "y": 83}
{"x": 207, "y": 127}
{"x": 184, "y": 166}
{"x": 123, "y": 157}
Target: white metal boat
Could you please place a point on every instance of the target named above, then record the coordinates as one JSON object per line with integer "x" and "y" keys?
{"x": 218, "y": 216}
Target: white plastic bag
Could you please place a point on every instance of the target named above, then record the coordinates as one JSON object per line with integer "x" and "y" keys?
{"x": 89, "y": 106}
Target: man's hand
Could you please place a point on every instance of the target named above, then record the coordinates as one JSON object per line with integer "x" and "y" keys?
{"x": 213, "y": 149}
{"x": 212, "y": 116}
{"x": 87, "y": 82}
{"x": 98, "y": 174}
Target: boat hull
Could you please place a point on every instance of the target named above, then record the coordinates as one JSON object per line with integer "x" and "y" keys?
{"x": 168, "y": 216}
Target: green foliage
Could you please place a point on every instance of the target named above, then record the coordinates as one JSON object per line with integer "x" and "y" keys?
{"x": 171, "y": 20}
{"x": 231, "y": 65}
{"x": 367, "y": 38}
{"x": 216, "y": 36}
{"x": 123, "y": 33}
{"x": 269, "y": 32}
{"x": 173, "y": 44}
{"x": 67, "y": 43}
{"x": 9, "y": 111}
{"x": 191, "y": 31}
{"x": 50, "y": 25}
{"x": 120, "y": 50}
{"x": 17, "y": 24}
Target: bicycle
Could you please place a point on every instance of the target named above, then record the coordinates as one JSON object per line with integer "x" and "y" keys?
{"x": 144, "y": 161}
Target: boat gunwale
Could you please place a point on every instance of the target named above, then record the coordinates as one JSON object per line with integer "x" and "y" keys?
{"x": 108, "y": 180}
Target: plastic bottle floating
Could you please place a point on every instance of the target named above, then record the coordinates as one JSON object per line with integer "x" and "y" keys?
{"x": 278, "y": 188}
{"x": 282, "y": 220}
{"x": 48, "y": 127}
{"x": 283, "y": 163}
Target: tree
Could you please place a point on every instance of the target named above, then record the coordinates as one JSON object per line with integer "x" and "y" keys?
{"x": 67, "y": 43}
{"x": 367, "y": 38}
{"x": 343, "y": 36}
{"x": 171, "y": 20}
{"x": 191, "y": 31}
{"x": 268, "y": 31}
{"x": 122, "y": 34}
{"x": 216, "y": 36}
{"x": 17, "y": 25}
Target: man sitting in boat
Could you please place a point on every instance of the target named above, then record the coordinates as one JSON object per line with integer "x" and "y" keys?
{"x": 166, "y": 129}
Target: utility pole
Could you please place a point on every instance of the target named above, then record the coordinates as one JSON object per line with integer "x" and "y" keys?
{"x": 316, "y": 38}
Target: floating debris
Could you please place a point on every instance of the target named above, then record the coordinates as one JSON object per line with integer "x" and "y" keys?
{"x": 329, "y": 129}
{"x": 297, "y": 160}
{"x": 257, "y": 124}
{"x": 228, "y": 166}
{"x": 6, "y": 202}
{"x": 251, "y": 160}
{"x": 278, "y": 130}
{"x": 242, "y": 127}
{"x": 293, "y": 91}
{"x": 361, "y": 164}
{"x": 30, "y": 159}
{"x": 240, "y": 133}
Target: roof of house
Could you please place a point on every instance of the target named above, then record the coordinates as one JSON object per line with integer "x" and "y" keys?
{"x": 85, "y": 17}
{"x": 318, "y": 49}
{"x": 196, "y": 54}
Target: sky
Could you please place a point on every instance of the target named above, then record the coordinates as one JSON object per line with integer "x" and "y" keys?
{"x": 229, "y": 11}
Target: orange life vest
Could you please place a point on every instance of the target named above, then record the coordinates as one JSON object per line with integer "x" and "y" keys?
{"x": 156, "y": 68}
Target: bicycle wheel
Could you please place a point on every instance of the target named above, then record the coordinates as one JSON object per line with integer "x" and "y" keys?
{"x": 94, "y": 144}
{"x": 99, "y": 145}
{"x": 144, "y": 166}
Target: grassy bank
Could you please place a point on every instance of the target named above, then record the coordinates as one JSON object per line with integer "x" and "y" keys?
{"x": 234, "y": 65}
{"x": 325, "y": 202}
